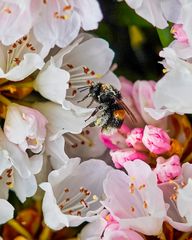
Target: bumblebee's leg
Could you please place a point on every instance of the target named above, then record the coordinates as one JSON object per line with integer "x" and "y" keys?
{"x": 84, "y": 98}
{"x": 90, "y": 103}
{"x": 97, "y": 109}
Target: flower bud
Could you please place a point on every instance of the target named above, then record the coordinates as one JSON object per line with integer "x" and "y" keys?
{"x": 167, "y": 169}
{"x": 119, "y": 157}
{"x": 134, "y": 139}
{"x": 156, "y": 140}
{"x": 179, "y": 33}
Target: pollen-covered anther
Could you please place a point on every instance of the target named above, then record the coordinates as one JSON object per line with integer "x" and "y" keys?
{"x": 7, "y": 10}
{"x": 66, "y": 190}
{"x": 141, "y": 186}
{"x": 145, "y": 205}
{"x": 83, "y": 202}
{"x": 173, "y": 197}
{"x": 9, "y": 172}
{"x": 132, "y": 209}
{"x": 76, "y": 140}
{"x": 132, "y": 188}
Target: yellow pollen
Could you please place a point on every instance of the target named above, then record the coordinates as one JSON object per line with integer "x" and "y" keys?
{"x": 165, "y": 70}
{"x": 132, "y": 178}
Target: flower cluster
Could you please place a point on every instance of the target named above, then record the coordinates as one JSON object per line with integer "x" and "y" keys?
{"x": 51, "y": 153}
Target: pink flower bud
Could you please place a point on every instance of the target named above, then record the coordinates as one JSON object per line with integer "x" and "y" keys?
{"x": 116, "y": 139}
{"x": 134, "y": 139}
{"x": 179, "y": 33}
{"x": 156, "y": 140}
{"x": 119, "y": 157}
{"x": 167, "y": 169}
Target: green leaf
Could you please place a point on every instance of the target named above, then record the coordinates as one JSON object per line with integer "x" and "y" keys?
{"x": 165, "y": 36}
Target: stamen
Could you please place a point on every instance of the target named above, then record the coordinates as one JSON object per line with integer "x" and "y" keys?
{"x": 79, "y": 203}
{"x": 76, "y": 139}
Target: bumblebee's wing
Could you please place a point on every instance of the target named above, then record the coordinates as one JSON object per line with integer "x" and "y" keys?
{"x": 127, "y": 110}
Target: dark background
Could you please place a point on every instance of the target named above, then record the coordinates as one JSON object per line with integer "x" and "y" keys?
{"x": 122, "y": 27}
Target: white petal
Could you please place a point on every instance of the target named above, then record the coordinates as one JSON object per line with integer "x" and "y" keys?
{"x": 55, "y": 149}
{"x": 36, "y": 163}
{"x": 16, "y": 23}
{"x": 52, "y": 83}
{"x": 60, "y": 120}
{"x": 6, "y": 211}
{"x": 24, "y": 187}
{"x": 5, "y": 162}
{"x": 87, "y": 54}
{"x": 90, "y": 13}
{"x": 53, "y": 216}
{"x": 58, "y": 31}
{"x": 30, "y": 63}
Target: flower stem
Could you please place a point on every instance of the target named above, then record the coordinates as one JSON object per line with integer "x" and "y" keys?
{"x": 162, "y": 236}
{"x": 184, "y": 236}
{"x": 15, "y": 225}
{"x": 4, "y": 100}
{"x": 46, "y": 233}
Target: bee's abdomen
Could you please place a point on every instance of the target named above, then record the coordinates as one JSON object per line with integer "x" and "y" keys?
{"x": 119, "y": 114}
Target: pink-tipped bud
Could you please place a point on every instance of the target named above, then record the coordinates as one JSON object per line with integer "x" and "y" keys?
{"x": 156, "y": 140}
{"x": 167, "y": 169}
{"x": 134, "y": 139}
{"x": 119, "y": 157}
{"x": 179, "y": 33}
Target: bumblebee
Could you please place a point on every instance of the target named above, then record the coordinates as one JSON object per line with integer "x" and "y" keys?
{"x": 111, "y": 110}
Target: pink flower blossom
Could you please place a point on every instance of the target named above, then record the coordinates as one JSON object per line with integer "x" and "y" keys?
{"x": 156, "y": 140}
{"x": 26, "y": 127}
{"x": 107, "y": 228}
{"x": 132, "y": 199}
{"x": 179, "y": 33}
{"x": 119, "y": 157}
{"x": 178, "y": 195}
{"x": 115, "y": 139}
{"x": 167, "y": 169}
{"x": 134, "y": 139}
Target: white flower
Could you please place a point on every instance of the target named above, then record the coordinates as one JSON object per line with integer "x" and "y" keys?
{"x": 73, "y": 192}
{"x": 132, "y": 199}
{"x": 157, "y": 12}
{"x": 173, "y": 91}
{"x": 177, "y": 195}
{"x": 26, "y": 127}
{"x": 17, "y": 170}
{"x": 75, "y": 66}
{"x": 59, "y": 22}
{"x": 21, "y": 58}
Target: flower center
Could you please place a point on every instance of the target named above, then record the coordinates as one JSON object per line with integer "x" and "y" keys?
{"x": 80, "y": 76}
{"x": 79, "y": 203}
